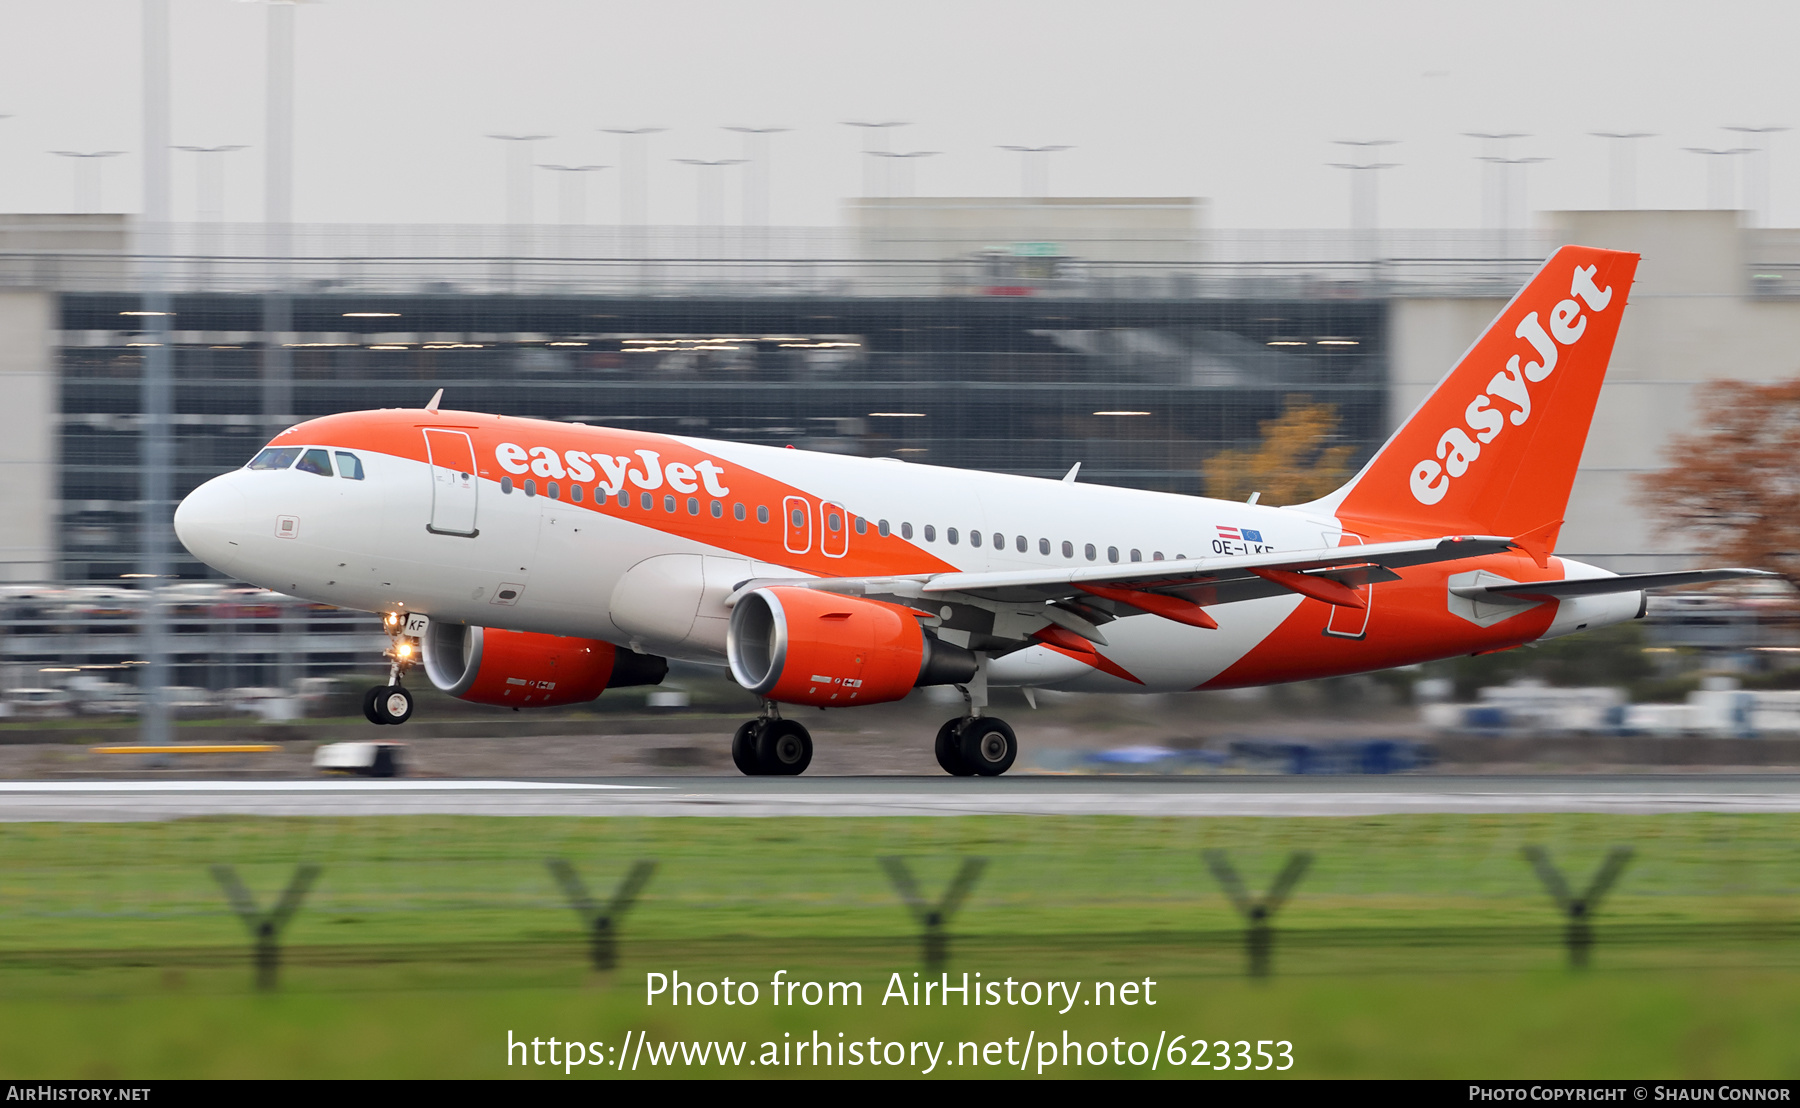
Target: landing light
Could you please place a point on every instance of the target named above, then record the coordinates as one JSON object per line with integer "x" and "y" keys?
{"x": 371, "y": 315}
{"x": 900, "y": 415}
{"x": 1121, "y": 413}
{"x": 146, "y": 313}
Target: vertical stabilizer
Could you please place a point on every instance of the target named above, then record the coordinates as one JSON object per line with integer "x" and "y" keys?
{"x": 1493, "y": 449}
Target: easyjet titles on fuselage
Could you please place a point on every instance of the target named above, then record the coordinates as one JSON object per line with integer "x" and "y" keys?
{"x": 647, "y": 471}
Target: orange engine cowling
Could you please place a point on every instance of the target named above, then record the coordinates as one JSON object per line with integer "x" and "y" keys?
{"x": 518, "y": 669}
{"x": 804, "y": 646}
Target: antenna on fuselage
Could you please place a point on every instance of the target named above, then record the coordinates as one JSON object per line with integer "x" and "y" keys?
{"x": 435, "y": 397}
{"x": 1069, "y": 477}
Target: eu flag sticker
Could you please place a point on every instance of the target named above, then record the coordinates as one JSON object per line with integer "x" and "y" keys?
{"x": 1251, "y": 536}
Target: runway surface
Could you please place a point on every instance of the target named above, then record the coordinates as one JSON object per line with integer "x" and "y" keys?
{"x": 100, "y": 801}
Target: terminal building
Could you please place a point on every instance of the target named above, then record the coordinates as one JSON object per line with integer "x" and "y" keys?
{"x": 989, "y": 333}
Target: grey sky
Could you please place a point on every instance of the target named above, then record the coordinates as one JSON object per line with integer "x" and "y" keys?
{"x": 1237, "y": 102}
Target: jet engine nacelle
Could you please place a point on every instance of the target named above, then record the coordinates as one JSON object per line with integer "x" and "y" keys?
{"x": 517, "y": 669}
{"x": 804, "y": 646}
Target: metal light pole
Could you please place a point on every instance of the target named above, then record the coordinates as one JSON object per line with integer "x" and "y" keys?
{"x": 518, "y": 177}
{"x": 572, "y": 200}
{"x": 1511, "y": 202}
{"x": 209, "y": 201}
{"x": 756, "y": 177}
{"x": 278, "y": 217}
{"x": 86, "y": 196}
{"x": 209, "y": 181}
{"x": 1365, "y": 201}
{"x": 156, "y": 456}
{"x": 875, "y": 132}
{"x": 1623, "y": 170}
{"x": 1034, "y": 168}
{"x": 278, "y": 406}
{"x": 904, "y": 163}
{"x": 634, "y": 186}
{"x": 1756, "y": 181}
{"x": 1494, "y": 145}
{"x": 1718, "y": 173}
{"x": 707, "y": 193}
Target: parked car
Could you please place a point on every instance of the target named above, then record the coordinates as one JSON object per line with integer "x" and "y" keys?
{"x": 38, "y": 703}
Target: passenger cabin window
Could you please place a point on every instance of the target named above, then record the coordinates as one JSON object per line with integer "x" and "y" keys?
{"x": 834, "y": 522}
{"x": 930, "y": 533}
{"x": 506, "y": 486}
{"x": 1068, "y": 549}
{"x": 1090, "y": 552}
{"x": 1022, "y": 545}
{"x": 974, "y": 537}
{"x": 315, "y": 461}
{"x": 668, "y": 503}
{"x": 693, "y": 505}
{"x": 647, "y": 502}
{"x": 1043, "y": 546}
{"x": 862, "y": 526}
{"x": 906, "y": 530}
{"x": 575, "y": 493}
{"x": 530, "y": 487}
{"x": 553, "y": 489}
{"x": 1112, "y": 554}
{"x": 349, "y": 466}
{"x": 738, "y": 513}
{"x": 275, "y": 457}
{"x": 718, "y": 510}
{"x": 762, "y": 513}
{"x": 999, "y": 541}
{"x": 1157, "y": 556}
{"x": 1136, "y": 554}
{"x": 882, "y": 528}
{"x": 950, "y": 534}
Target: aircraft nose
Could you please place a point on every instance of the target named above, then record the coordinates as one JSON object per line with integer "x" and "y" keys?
{"x": 210, "y": 522}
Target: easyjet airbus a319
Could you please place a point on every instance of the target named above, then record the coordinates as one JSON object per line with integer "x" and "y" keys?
{"x": 531, "y": 563}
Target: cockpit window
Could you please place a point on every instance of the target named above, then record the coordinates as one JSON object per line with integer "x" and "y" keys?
{"x": 275, "y": 457}
{"x": 315, "y": 460}
{"x": 349, "y": 466}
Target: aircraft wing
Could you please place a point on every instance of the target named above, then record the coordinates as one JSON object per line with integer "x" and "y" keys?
{"x": 1223, "y": 579}
{"x": 1078, "y": 599}
{"x": 1597, "y": 586}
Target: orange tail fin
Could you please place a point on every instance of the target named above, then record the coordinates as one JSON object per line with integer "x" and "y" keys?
{"x": 1493, "y": 449}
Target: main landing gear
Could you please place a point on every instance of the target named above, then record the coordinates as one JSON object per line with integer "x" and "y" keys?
{"x": 971, "y": 745}
{"x": 770, "y": 746}
{"x": 391, "y": 705}
{"x": 976, "y": 745}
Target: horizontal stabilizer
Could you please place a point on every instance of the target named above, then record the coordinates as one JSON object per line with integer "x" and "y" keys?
{"x": 1597, "y": 586}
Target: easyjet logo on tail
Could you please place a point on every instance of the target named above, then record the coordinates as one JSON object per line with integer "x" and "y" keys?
{"x": 1459, "y": 448}
{"x": 647, "y": 471}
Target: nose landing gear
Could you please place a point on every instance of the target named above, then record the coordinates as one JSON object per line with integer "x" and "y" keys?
{"x": 391, "y": 705}
{"x": 770, "y": 746}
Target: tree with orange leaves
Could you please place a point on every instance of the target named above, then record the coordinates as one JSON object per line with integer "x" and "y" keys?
{"x": 1295, "y": 462}
{"x": 1736, "y": 485}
